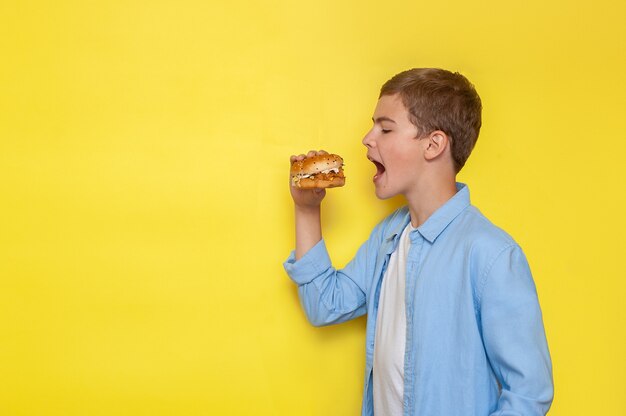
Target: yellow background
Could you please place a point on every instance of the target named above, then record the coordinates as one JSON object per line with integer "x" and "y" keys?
{"x": 145, "y": 213}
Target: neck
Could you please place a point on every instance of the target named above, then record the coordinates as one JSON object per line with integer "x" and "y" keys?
{"x": 430, "y": 196}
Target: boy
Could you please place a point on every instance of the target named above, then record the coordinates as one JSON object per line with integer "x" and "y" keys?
{"x": 454, "y": 326}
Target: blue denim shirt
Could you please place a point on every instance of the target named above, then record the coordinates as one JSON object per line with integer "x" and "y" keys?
{"x": 475, "y": 342}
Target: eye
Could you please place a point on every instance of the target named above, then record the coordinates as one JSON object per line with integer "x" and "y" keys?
{"x": 385, "y": 131}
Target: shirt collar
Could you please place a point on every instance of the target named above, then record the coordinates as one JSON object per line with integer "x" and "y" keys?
{"x": 440, "y": 219}
{"x": 445, "y": 214}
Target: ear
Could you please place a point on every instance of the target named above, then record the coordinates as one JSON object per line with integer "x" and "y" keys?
{"x": 436, "y": 144}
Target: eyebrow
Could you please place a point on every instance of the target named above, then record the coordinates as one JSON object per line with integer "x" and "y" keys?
{"x": 380, "y": 119}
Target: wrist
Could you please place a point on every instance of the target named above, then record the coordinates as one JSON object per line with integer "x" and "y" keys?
{"x": 307, "y": 209}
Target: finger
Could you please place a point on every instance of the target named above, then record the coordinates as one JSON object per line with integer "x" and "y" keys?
{"x": 322, "y": 152}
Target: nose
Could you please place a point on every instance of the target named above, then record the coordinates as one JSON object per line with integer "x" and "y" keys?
{"x": 368, "y": 141}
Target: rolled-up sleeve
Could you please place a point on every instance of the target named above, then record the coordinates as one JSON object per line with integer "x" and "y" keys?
{"x": 514, "y": 336}
{"x": 328, "y": 296}
{"x": 312, "y": 264}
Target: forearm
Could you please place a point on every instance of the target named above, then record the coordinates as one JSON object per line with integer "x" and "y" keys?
{"x": 308, "y": 229}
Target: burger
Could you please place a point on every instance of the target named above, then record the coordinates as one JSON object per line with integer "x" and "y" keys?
{"x": 319, "y": 171}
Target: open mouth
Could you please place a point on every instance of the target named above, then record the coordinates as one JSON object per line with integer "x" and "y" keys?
{"x": 380, "y": 169}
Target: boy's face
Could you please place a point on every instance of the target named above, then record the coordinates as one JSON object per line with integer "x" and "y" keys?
{"x": 393, "y": 146}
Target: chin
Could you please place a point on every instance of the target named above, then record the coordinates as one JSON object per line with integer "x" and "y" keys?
{"x": 383, "y": 194}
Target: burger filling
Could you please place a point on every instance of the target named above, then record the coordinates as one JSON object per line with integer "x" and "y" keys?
{"x": 325, "y": 175}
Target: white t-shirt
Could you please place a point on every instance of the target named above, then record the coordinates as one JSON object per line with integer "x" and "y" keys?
{"x": 390, "y": 338}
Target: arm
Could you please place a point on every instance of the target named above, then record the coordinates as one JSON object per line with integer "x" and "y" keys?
{"x": 307, "y": 203}
{"x": 514, "y": 336}
{"x": 328, "y": 295}
{"x": 308, "y": 226}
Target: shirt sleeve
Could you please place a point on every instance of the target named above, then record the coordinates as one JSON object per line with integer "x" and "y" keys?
{"x": 329, "y": 296}
{"x": 514, "y": 336}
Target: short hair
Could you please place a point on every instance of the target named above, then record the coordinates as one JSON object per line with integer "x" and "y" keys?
{"x": 438, "y": 99}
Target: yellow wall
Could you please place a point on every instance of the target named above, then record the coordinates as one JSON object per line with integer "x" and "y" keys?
{"x": 144, "y": 205}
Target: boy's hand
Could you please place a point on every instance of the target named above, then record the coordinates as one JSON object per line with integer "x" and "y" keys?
{"x": 307, "y": 198}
